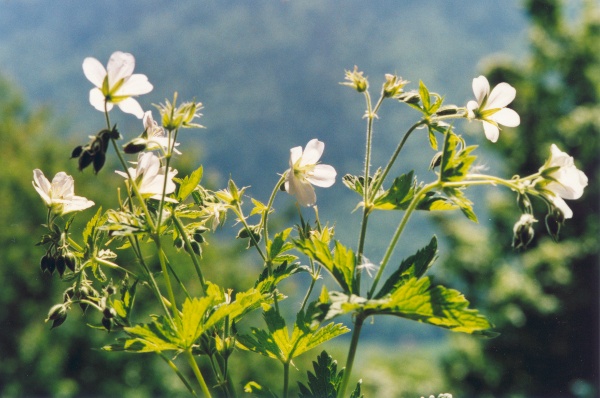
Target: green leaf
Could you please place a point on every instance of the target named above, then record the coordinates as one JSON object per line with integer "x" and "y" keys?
{"x": 277, "y": 343}
{"x": 341, "y": 264}
{"x": 357, "y": 183}
{"x": 456, "y": 160}
{"x": 424, "y": 94}
{"x": 157, "y": 336}
{"x": 88, "y": 232}
{"x": 265, "y": 281}
{"x": 189, "y": 183}
{"x": 417, "y": 299}
{"x": 399, "y": 195}
{"x": 278, "y": 244}
{"x": 413, "y": 266}
{"x": 459, "y": 199}
{"x": 258, "y": 391}
{"x": 326, "y": 380}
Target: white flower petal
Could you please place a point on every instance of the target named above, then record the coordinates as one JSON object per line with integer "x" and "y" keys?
{"x": 295, "y": 154}
{"x": 63, "y": 186}
{"x": 303, "y": 191}
{"x": 120, "y": 66}
{"x": 136, "y": 85}
{"x": 312, "y": 153}
{"x": 94, "y": 71}
{"x": 97, "y": 100}
{"x": 323, "y": 175}
{"x": 130, "y": 105}
{"x": 77, "y": 203}
{"x": 42, "y": 186}
{"x": 560, "y": 204}
{"x": 471, "y": 107}
{"x": 491, "y": 132}
{"x": 506, "y": 117}
{"x": 502, "y": 95}
{"x": 481, "y": 88}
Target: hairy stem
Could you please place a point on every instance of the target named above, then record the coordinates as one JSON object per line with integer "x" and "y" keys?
{"x": 358, "y": 322}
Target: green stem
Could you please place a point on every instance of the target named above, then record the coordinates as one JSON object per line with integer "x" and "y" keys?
{"x": 112, "y": 265}
{"x": 286, "y": 379}
{"x": 240, "y": 215}
{"x": 178, "y": 373}
{"x": 197, "y": 373}
{"x": 181, "y": 229}
{"x": 393, "y": 158}
{"x": 167, "y": 165}
{"x": 358, "y": 323}
{"x": 390, "y": 249}
{"x": 165, "y": 272}
{"x": 270, "y": 205}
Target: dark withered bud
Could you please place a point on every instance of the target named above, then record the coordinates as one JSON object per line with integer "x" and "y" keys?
{"x": 60, "y": 264}
{"x": 447, "y": 110}
{"x": 107, "y": 323}
{"x": 85, "y": 159}
{"x": 76, "y": 152}
{"x": 70, "y": 261}
{"x": 109, "y": 312}
{"x": 197, "y": 249}
{"x": 99, "y": 160}
{"x": 68, "y": 294}
{"x": 198, "y": 234}
{"x": 135, "y": 146}
{"x": 179, "y": 243}
{"x": 554, "y": 221}
{"x": 47, "y": 263}
{"x": 57, "y": 314}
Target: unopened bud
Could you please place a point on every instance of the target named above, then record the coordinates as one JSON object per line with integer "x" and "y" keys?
{"x": 57, "y": 314}
{"x": 523, "y": 231}
{"x": 136, "y": 145}
{"x": 61, "y": 266}
{"x": 70, "y": 261}
{"x": 554, "y": 221}
{"x": 393, "y": 85}
{"x": 356, "y": 80}
{"x": 76, "y": 152}
{"x": 47, "y": 263}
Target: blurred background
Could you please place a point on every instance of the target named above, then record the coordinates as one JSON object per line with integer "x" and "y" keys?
{"x": 267, "y": 73}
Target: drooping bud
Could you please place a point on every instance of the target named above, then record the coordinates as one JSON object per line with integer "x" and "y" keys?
{"x": 523, "y": 231}
{"x": 61, "y": 266}
{"x": 76, "y": 152}
{"x": 135, "y": 146}
{"x": 70, "y": 261}
{"x": 57, "y": 314}
{"x": 554, "y": 221}
{"x": 47, "y": 263}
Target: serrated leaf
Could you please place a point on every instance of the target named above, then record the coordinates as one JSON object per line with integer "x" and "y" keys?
{"x": 157, "y": 336}
{"x": 265, "y": 281}
{"x": 413, "y": 266}
{"x": 399, "y": 195}
{"x": 456, "y": 161}
{"x": 424, "y": 94}
{"x": 259, "y": 207}
{"x": 436, "y": 203}
{"x": 91, "y": 225}
{"x": 341, "y": 263}
{"x": 188, "y": 184}
{"x": 277, "y": 343}
{"x": 419, "y": 300}
{"x": 277, "y": 245}
{"x": 459, "y": 199}
{"x": 258, "y": 391}
{"x": 325, "y": 381}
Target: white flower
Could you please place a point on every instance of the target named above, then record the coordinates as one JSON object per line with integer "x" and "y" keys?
{"x": 116, "y": 84}
{"x": 567, "y": 182}
{"x": 156, "y": 135}
{"x": 60, "y": 194}
{"x": 305, "y": 171}
{"x": 368, "y": 266}
{"x": 491, "y": 109}
{"x": 150, "y": 176}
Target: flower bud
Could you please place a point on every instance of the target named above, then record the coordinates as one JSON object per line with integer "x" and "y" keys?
{"x": 109, "y": 312}
{"x": 136, "y": 145}
{"x": 554, "y": 221}
{"x": 523, "y": 231}
{"x": 47, "y": 263}
{"x": 356, "y": 80}
{"x": 61, "y": 266}
{"x": 393, "y": 85}
{"x": 198, "y": 234}
{"x": 76, "y": 152}
{"x": 107, "y": 323}
{"x": 85, "y": 159}
{"x": 57, "y": 314}
{"x": 99, "y": 159}
{"x": 70, "y": 261}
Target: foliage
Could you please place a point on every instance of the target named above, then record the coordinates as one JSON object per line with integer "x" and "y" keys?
{"x": 545, "y": 300}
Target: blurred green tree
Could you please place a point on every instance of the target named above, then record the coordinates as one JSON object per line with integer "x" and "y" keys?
{"x": 544, "y": 301}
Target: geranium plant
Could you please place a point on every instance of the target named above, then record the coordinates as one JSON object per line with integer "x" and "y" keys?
{"x": 157, "y": 207}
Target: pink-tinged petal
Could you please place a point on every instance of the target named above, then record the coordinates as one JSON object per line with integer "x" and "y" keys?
{"x": 323, "y": 175}
{"x": 94, "y": 71}
{"x": 77, "y": 203}
{"x": 303, "y": 191}
{"x": 506, "y": 117}
{"x": 312, "y": 153}
{"x": 63, "y": 186}
{"x": 97, "y": 100}
{"x": 42, "y": 186}
{"x": 136, "y": 85}
{"x": 295, "y": 154}
{"x": 502, "y": 95}
{"x": 560, "y": 204}
{"x": 120, "y": 65}
{"x": 491, "y": 132}
{"x": 481, "y": 88}
{"x": 130, "y": 105}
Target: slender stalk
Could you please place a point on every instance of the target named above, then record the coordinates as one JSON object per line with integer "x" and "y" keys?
{"x": 180, "y": 228}
{"x": 390, "y": 249}
{"x": 197, "y": 373}
{"x": 165, "y": 272}
{"x": 167, "y": 165}
{"x": 358, "y": 323}
{"x": 112, "y": 265}
{"x": 286, "y": 379}
{"x": 239, "y": 213}
{"x": 270, "y": 205}
{"x": 178, "y": 373}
